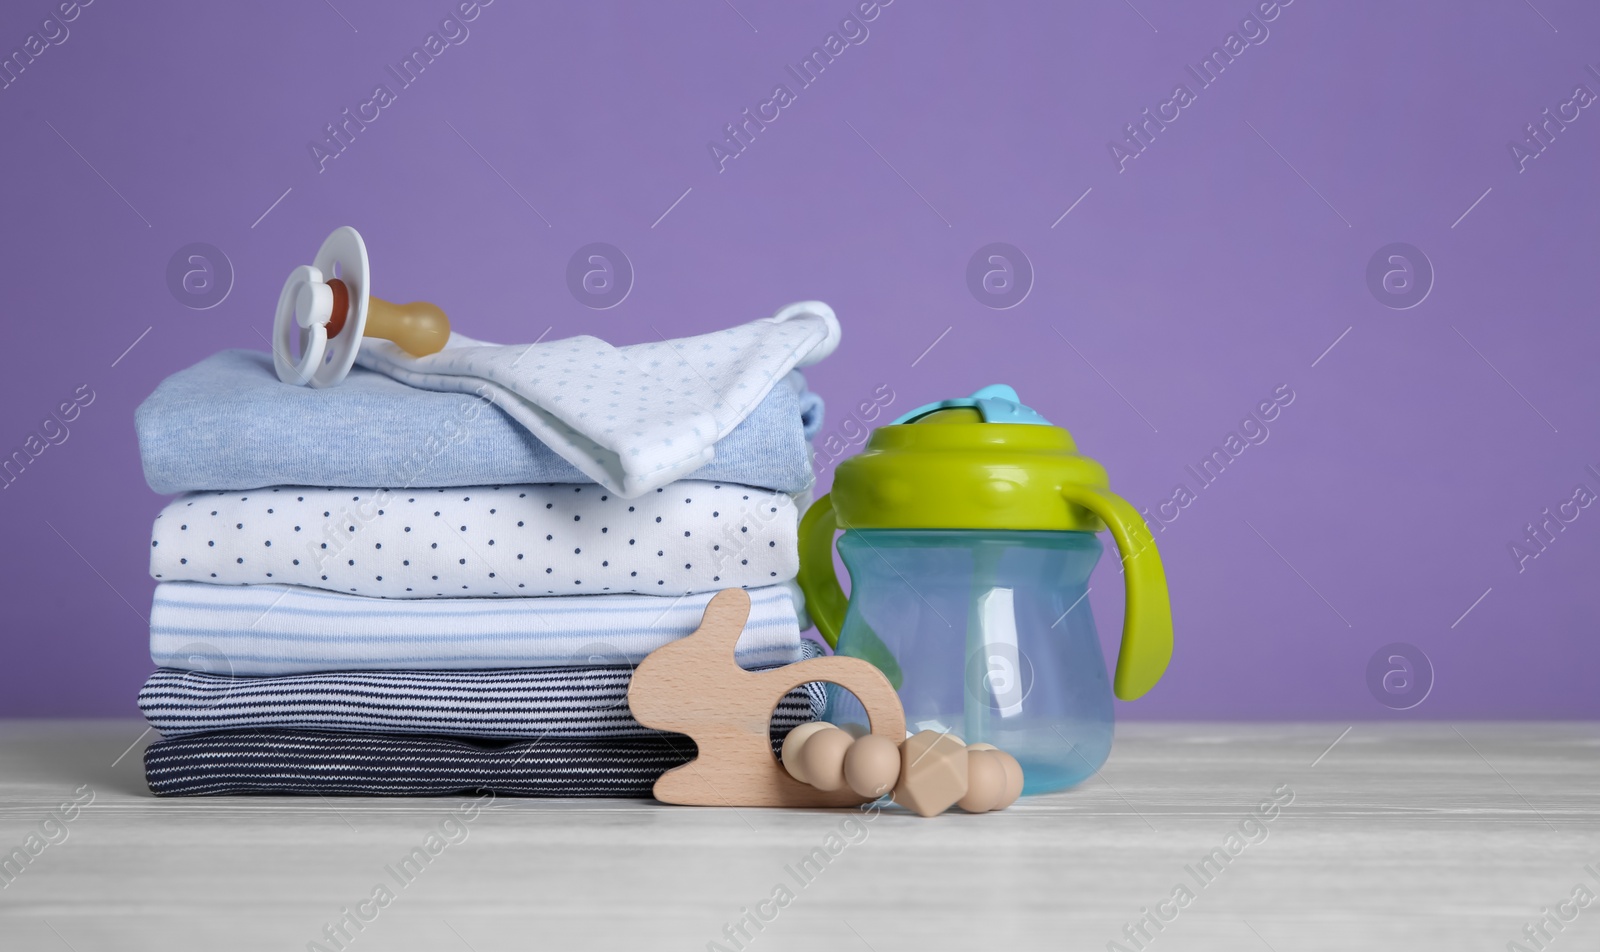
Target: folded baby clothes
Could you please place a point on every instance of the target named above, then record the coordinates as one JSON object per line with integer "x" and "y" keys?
{"x": 631, "y": 418}
{"x": 582, "y": 702}
{"x": 229, "y": 423}
{"x": 504, "y": 541}
{"x": 527, "y": 523}
{"x": 376, "y": 765}
{"x": 289, "y": 629}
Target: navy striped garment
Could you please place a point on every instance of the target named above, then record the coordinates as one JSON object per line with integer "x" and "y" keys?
{"x": 381, "y": 765}
{"x": 571, "y": 702}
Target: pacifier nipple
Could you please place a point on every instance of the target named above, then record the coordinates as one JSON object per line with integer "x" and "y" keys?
{"x": 419, "y": 328}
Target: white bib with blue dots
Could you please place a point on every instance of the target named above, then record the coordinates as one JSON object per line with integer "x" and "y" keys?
{"x": 632, "y": 418}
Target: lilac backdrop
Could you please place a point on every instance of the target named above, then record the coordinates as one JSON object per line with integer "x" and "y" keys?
{"x": 1166, "y": 299}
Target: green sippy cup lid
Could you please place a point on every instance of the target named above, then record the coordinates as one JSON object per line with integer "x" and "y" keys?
{"x": 981, "y": 462}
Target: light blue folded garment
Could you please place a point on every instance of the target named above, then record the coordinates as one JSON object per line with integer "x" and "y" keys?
{"x": 272, "y": 630}
{"x": 229, "y": 423}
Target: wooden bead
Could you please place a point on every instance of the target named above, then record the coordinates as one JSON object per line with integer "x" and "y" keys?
{"x": 872, "y": 765}
{"x": 822, "y": 758}
{"x": 794, "y": 742}
{"x": 933, "y": 772}
{"x": 1013, "y": 788}
{"x": 986, "y": 781}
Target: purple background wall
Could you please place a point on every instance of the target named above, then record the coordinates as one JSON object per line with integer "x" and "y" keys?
{"x": 1166, "y": 299}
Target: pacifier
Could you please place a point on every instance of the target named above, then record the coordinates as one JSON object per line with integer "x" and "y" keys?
{"x": 331, "y": 302}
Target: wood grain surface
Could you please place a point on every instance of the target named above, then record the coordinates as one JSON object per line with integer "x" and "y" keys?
{"x": 1414, "y": 836}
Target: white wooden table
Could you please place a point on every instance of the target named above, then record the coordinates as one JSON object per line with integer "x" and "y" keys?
{"x": 1416, "y": 836}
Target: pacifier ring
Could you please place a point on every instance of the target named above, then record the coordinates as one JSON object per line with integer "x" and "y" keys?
{"x": 341, "y": 306}
{"x": 337, "y": 313}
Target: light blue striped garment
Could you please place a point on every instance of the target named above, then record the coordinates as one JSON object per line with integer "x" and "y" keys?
{"x": 287, "y": 629}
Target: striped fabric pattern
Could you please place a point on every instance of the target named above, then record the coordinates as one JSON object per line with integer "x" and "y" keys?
{"x": 269, "y": 630}
{"x": 578, "y": 702}
{"x": 383, "y": 765}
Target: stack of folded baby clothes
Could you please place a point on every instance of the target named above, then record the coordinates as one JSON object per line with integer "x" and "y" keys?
{"x": 437, "y": 575}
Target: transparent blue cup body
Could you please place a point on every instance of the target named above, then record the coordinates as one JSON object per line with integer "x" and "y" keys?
{"x": 989, "y": 635}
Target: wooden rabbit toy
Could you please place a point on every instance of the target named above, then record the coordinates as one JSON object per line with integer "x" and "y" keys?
{"x": 693, "y": 686}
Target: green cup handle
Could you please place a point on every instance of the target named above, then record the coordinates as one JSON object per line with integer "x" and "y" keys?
{"x": 825, "y": 599}
{"x": 1147, "y": 622}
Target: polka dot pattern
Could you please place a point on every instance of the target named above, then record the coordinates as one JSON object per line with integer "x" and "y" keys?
{"x": 508, "y": 541}
{"x": 632, "y": 418}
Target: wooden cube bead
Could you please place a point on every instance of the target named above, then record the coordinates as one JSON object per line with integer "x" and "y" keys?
{"x": 933, "y": 772}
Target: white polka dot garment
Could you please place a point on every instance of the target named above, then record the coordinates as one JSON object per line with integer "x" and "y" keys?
{"x": 503, "y": 541}
{"x": 631, "y": 418}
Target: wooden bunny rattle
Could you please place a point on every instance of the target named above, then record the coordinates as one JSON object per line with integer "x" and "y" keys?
{"x": 693, "y": 686}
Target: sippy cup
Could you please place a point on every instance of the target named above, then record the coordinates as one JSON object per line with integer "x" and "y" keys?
{"x": 969, "y": 535}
